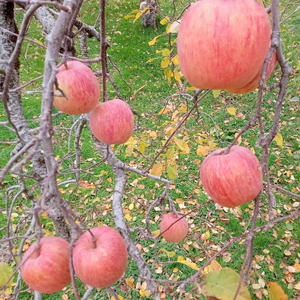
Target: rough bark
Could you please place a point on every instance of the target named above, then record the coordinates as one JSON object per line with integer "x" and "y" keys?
{"x": 9, "y": 63}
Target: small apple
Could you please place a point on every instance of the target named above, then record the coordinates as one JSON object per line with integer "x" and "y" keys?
{"x": 46, "y": 269}
{"x": 173, "y": 228}
{"x": 100, "y": 257}
{"x": 80, "y": 86}
{"x": 112, "y": 122}
{"x": 222, "y": 44}
{"x": 231, "y": 179}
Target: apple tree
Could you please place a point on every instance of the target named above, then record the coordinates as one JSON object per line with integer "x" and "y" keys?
{"x": 215, "y": 47}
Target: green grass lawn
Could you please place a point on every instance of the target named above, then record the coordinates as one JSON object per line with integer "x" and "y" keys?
{"x": 142, "y": 83}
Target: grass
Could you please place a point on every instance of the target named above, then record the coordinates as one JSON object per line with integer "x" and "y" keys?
{"x": 141, "y": 82}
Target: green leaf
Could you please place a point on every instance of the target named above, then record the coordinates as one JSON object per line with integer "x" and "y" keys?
{"x": 6, "y": 272}
{"x": 223, "y": 285}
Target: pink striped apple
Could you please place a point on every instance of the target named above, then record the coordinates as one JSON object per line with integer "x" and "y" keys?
{"x": 112, "y": 122}
{"x": 231, "y": 179}
{"x": 100, "y": 257}
{"x": 173, "y": 228}
{"x": 222, "y": 44}
{"x": 46, "y": 269}
{"x": 80, "y": 86}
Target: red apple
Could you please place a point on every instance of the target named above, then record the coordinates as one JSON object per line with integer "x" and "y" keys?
{"x": 173, "y": 228}
{"x": 231, "y": 179}
{"x": 254, "y": 83}
{"x": 46, "y": 269}
{"x": 81, "y": 87}
{"x": 100, "y": 259}
{"x": 222, "y": 44}
{"x": 112, "y": 122}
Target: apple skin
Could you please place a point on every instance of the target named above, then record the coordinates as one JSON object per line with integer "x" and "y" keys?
{"x": 46, "y": 270}
{"x": 81, "y": 87}
{"x": 222, "y": 44}
{"x": 254, "y": 83}
{"x": 177, "y": 232}
{"x": 102, "y": 263}
{"x": 112, "y": 122}
{"x": 231, "y": 179}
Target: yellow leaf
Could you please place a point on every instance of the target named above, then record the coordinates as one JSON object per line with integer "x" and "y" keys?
{"x": 168, "y": 28}
{"x": 143, "y": 147}
{"x": 190, "y": 89}
{"x": 6, "y": 272}
{"x": 168, "y": 74}
{"x": 164, "y": 21}
{"x": 131, "y": 206}
{"x": 276, "y": 292}
{"x": 170, "y": 153}
{"x": 182, "y": 145}
{"x": 138, "y": 15}
{"x": 231, "y": 111}
{"x": 165, "y": 62}
{"x": 278, "y": 139}
{"x": 202, "y": 150}
{"x": 190, "y": 264}
{"x": 129, "y": 16}
{"x": 128, "y": 217}
{"x": 130, "y": 282}
{"x": 177, "y": 76}
{"x": 169, "y": 253}
{"x": 175, "y": 60}
{"x": 151, "y": 60}
{"x": 157, "y": 170}
{"x": 172, "y": 172}
{"x": 212, "y": 145}
{"x": 119, "y": 297}
{"x": 153, "y": 135}
{"x": 165, "y": 52}
{"x": 152, "y": 42}
{"x": 216, "y": 93}
{"x": 131, "y": 145}
{"x": 156, "y": 232}
{"x": 213, "y": 266}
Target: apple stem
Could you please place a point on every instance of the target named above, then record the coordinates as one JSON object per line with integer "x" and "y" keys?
{"x": 94, "y": 240}
{"x": 103, "y": 49}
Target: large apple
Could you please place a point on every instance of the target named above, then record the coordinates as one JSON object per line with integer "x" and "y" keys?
{"x": 80, "y": 86}
{"x": 112, "y": 122}
{"x": 100, "y": 258}
{"x": 254, "y": 83}
{"x": 173, "y": 228}
{"x": 46, "y": 269}
{"x": 231, "y": 179}
{"x": 222, "y": 44}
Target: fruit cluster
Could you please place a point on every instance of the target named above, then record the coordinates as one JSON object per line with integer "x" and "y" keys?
{"x": 77, "y": 91}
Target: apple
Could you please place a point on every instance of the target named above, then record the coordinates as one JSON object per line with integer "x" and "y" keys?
{"x": 112, "y": 122}
{"x": 100, "y": 258}
{"x": 173, "y": 228}
{"x": 254, "y": 83}
{"x": 222, "y": 44}
{"x": 79, "y": 85}
{"x": 46, "y": 269}
{"x": 231, "y": 179}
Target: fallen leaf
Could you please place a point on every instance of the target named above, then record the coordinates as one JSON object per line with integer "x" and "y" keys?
{"x": 276, "y": 292}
